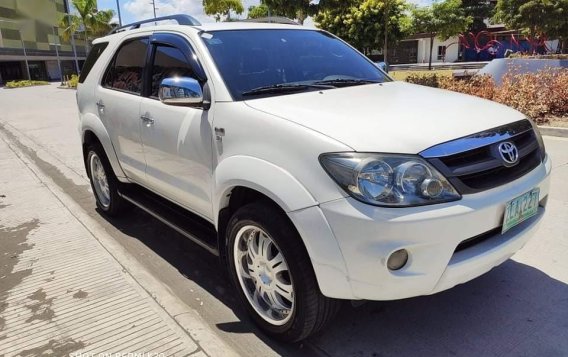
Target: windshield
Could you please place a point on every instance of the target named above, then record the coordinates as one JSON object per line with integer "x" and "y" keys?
{"x": 277, "y": 62}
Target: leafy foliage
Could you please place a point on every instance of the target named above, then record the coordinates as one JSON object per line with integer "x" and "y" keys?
{"x": 25, "y": 83}
{"x": 480, "y": 86}
{"x": 362, "y": 24}
{"x": 539, "y": 95}
{"x": 294, "y": 9}
{"x": 220, "y": 8}
{"x": 94, "y": 23}
{"x": 442, "y": 19}
{"x": 72, "y": 81}
{"x": 426, "y": 79}
{"x": 479, "y": 10}
{"x": 261, "y": 10}
{"x": 536, "y": 17}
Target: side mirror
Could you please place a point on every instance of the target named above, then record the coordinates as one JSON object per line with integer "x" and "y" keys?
{"x": 183, "y": 91}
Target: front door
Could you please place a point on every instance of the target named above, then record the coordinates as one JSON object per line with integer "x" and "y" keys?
{"x": 177, "y": 140}
{"x": 118, "y": 101}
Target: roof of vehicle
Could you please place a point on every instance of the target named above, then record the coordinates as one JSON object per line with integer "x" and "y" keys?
{"x": 247, "y": 25}
{"x": 206, "y": 27}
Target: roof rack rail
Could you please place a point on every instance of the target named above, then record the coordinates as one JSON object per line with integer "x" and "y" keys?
{"x": 180, "y": 18}
{"x": 272, "y": 20}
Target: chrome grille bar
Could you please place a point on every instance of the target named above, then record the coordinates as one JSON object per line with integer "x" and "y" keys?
{"x": 478, "y": 140}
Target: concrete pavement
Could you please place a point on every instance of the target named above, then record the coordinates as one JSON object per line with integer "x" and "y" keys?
{"x": 66, "y": 288}
{"x": 61, "y": 290}
{"x": 519, "y": 308}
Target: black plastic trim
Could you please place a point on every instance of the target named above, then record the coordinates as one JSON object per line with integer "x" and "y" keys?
{"x": 193, "y": 227}
{"x": 181, "y": 19}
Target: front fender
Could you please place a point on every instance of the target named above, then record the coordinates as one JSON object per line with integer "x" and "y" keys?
{"x": 90, "y": 122}
{"x": 262, "y": 176}
{"x": 300, "y": 206}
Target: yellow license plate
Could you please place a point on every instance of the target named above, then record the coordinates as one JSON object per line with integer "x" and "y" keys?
{"x": 520, "y": 209}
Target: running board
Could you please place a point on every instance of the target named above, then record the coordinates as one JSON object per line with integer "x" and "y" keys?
{"x": 198, "y": 230}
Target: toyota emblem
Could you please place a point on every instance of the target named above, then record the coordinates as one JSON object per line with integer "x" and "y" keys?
{"x": 509, "y": 153}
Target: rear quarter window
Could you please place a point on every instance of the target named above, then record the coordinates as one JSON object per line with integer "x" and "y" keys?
{"x": 92, "y": 58}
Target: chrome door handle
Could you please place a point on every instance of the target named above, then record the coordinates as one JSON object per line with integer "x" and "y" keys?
{"x": 101, "y": 107}
{"x": 147, "y": 120}
{"x": 219, "y": 133}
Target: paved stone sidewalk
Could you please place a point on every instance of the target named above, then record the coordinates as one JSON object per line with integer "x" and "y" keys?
{"x": 61, "y": 292}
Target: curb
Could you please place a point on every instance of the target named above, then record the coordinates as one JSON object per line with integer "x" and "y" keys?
{"x": 173, "y": 311}
{"x": 553, "y": 131}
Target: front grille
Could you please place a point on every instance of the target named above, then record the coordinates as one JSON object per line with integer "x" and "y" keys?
{"x": 473, "y": 164}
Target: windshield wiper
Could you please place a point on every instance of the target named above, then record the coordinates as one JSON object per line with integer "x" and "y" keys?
{"x": 339, "y": 82}
{"x": 284, "y": 88}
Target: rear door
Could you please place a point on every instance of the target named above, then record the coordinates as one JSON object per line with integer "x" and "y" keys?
{"x": 118, "y": 101}
{"x": 177, "y": 140}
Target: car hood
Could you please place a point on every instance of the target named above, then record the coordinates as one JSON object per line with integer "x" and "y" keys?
{"x": 394, "y": 117}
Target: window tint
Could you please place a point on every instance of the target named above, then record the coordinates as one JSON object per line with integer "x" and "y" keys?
{"x": 168, "y": 62}
{"x": 92, "y": 58}
{"x": 125, "y": 73}
{"x": 257, "y": 58}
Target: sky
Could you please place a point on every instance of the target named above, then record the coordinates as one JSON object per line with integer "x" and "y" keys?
{"x": 135, "y": 10}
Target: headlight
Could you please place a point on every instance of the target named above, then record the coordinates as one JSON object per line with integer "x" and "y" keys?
{"x": 388, "y": 180}
{"x": 539, "y": 139}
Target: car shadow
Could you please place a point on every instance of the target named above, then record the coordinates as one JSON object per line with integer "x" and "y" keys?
{"x": 198, "y": 265}
{"x": 513, "y": 310}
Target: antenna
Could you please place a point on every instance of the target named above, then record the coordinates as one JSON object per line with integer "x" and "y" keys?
{"x": 153, "y": 2}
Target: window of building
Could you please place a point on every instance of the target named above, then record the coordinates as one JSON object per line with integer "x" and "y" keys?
{"x": 168, "y": 62}
{"x": 125, "y": 72}
{"x": 441, "y": 53}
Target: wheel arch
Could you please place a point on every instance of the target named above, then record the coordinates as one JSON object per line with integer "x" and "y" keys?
{"x": 94, "y": 131}
{"x": 237, "y": 185}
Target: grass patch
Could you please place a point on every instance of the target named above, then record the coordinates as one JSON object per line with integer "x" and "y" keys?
{"x": 25, "y": 83}
{"x": 402, "y": 75}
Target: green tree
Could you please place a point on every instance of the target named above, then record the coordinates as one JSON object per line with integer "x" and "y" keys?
{"x": 558, "y": 26}
{"x": 363, "y": 23}
{"x": 261, "y": 10}
{"x": 442, "y": 20}
{"x": 220, "y": 8}
{"x": 92, "y": 22}
{"x": 535, "y": 17}
{"x": 479, "y": 10}
{"x": 301, "y": 9}
{"x": 294, "y": 9}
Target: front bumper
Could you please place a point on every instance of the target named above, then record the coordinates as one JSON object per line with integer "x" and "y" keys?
{"x": 367, "y": 235}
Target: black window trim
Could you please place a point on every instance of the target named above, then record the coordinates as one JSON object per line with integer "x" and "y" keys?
{"x": 112, "y": 62}
{"x": 174, "y": 41}
{"x": 85, "y": 71}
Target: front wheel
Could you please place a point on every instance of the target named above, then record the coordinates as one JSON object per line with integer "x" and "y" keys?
{"x": 103, "y": 182}
{"x": 273, "y": 274}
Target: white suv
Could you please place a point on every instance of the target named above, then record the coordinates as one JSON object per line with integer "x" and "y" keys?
{"x": 304, "y": 167}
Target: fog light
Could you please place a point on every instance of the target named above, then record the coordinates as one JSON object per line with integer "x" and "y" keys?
{"x": 432, "y": 188}
{"x": 397, "y": 259}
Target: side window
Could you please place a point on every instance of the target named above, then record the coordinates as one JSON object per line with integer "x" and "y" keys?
{"x": 168, "y": 62}
{"x": 126, "y": 71}
{"x": 92, "y": 58}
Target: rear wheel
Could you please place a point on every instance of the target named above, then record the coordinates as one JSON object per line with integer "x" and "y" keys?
{"x": 273, "y": 274}
{"x": 103, "y": 182}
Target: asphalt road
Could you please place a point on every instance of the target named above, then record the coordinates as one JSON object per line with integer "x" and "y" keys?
{"x": 519, "y": 308}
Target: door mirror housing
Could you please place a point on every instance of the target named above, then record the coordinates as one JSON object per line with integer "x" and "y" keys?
{"x": 184, "y": 91}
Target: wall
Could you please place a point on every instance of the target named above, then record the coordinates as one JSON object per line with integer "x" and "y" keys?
{"x": 452, "y": 50}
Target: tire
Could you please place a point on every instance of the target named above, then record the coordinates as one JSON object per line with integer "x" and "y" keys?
{"x": 289, "y": 283}
{"x": 98, "y": 169}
